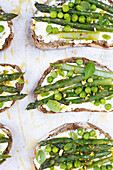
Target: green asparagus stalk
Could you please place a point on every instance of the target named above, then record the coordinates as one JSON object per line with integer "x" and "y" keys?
{"x": 100, "y": 162}
{"x": 67, "y": 158}
{"x": 100, "y": 4}
{"x": 78, "y": 69}
{"x": 94, "y": 15}
{"x": 7, "y": 16}
{"x": 35, "y": 104}
{"x": 78, "y": 35}
{"x": 12, "y": 97}
{"x": 4, "y": 156}
{"x": 4, "y": 140}
{"x": 10, "y": 77}
{"x": 77, "y": 141}
{"x": 62, "y": 22}
{"x": 9, "y": 89}
{"x": 59, "y": 84}
{"x": 88, "y": 99}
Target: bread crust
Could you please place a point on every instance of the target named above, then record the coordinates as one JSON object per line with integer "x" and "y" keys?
{"x": 9, "y": 39}
{"x": 9, "y": 134}
{"x": 67, "y": 127}
{"x": 18, "y": 85}
{"x": 68, "y": 60}
{"x": 60, "y": 44}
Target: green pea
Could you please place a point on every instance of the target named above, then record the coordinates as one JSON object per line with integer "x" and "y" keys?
{"x": 54, "y": 74}
{"x": 2, "y": 28}
{"x": 49, "y": 79}
{"x": 90, "y": 80}
{"x": 94, "y": 89}
{"x": 62, "y": 165}
{"x": 60, "y": 15}
{"x": 103, "y": 167}
{"x": 97, "y": 103}
{"x": 65, "y": 8}
{"x": 56, "y": 91}
{"x": 55, "y": 30}
{"x": 79, "y": 7}
{"x": 109, "y": 167}
{"x": 58, "y": 96}
{"x": 69, "y": 165}
{"x": 78, "y": 90}
{"x": 74, "y": 18}
{"x": 52, "y": 168}
{"x": 80, "y": 131}
{"x": 77, "y": 164}
{"x": 67, "y": 28}
{"x": 87, "y": 89}
{"x": 61, "y": 73}
{"x": 49, "y": 28}
{"x": 96, "y": 167}
{"x": 88, "y": 20}
{"x": 1, "y": 104}
{"x": 86, "y": 135}
{"x": 77, "y": 1}
{"x": 93, "y": 7}
{"x": 82, "y": 94}
{"x": 45, "y": 94}
{"x": 68, "y": 146}
{"x": 70, "y": 4}
{"x": 66, "y": 16}
{"x": 53, "y": 14}
{"x": 108, "y": 106}
{"x": 55, "y": 149}
{"x": 79, "y": 61}
{"x": 92, "y": 133}
{"x": 48, "y": 148}
{"x": 82, "y": 19}
{"x": 69, "y": 73}
{"x": 103, "y": 101}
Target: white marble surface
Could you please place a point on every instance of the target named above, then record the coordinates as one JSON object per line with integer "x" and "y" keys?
{"x": 29, "y": 126}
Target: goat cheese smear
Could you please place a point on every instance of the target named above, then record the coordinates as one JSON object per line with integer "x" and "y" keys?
{"x": 5, "y": 33}
{"x": 40, "y": 28}
{"x": 67, "y": 134}
{"x": 3, "y": 146}
{"x": 70, "y": 107}
{"x": 8, "y": 70}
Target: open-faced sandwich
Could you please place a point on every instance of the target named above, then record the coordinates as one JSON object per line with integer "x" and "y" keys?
{"x": 74, "y": 84}
{"x": 5, "y": 143}
{"x": 6, "y": 29}
{"x": 75, "y": 146}
{"x": 60, "y": 24}
{"x": 11, "y": 84}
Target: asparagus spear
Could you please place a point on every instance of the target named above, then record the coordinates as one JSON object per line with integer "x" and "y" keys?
{"x": 62, "y": 22}
{"x": 77, "y": 141}
{"x": 102, "y": 5}
{"x": 78, "y": 69}
{"x": 12, "y": 97}
{"x": 59, "y": 84}
{"x": 10, "y": 77}
{"x": 4, "y": 140}
{"x": 67, "y": 158}
{"x": 7, "y": 16}
{"x": 4, "y": 156}
{"x": 9, "y": 89}
{"x": 35, "y": 104}
{"x": 88, "y": 99}
{"x": 100, "y": 162}
{"x": 94, "y": 15}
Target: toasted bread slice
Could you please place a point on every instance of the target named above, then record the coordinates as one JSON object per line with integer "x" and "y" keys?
{"x": 69, "y": 127}
{"x": 68, "y": 60}
{"x": 10, "y": 37}
{"x": 9, "y": 134}
{"x": 60, "y": 44}
{"x": 18, "y": 85}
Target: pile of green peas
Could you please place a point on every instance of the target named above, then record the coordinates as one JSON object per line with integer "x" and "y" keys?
{"x": 103, "y": 167}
